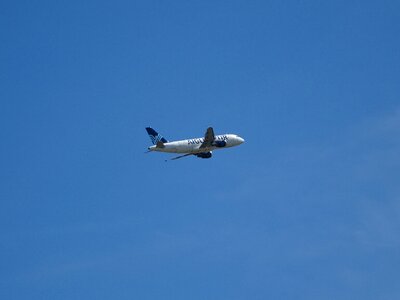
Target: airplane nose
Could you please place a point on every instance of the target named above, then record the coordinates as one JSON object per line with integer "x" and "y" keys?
{"x": 241, "y": 140}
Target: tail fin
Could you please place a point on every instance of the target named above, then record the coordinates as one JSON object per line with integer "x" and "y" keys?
{"x": 155, "y": 136}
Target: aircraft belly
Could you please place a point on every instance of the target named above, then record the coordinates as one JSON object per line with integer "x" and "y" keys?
{"x": 202, "y": 150}
{"x": 184, "y": 148}
{"x": 178, "y": 148}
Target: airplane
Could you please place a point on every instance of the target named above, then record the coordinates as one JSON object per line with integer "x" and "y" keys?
{"x": 200, "y": 147}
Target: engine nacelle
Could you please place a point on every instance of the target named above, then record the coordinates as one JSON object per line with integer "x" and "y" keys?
{"x": 204, "y": 155}
{"x": 219, "y": 144}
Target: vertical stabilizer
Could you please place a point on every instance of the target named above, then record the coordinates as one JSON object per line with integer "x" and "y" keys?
{"x": 155, "y": 136}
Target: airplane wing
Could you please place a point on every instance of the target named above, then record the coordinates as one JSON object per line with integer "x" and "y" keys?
{"x": 208, "y": 138}
{"x": 177, "y": 157}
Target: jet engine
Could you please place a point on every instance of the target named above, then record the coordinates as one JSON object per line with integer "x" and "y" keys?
{"x": 219, "y": 144}
{"x": 204, "y": 154}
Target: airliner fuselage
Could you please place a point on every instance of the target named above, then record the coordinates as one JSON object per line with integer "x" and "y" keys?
{"x": 200, "y": 147}
{"x": 193, "y": 145}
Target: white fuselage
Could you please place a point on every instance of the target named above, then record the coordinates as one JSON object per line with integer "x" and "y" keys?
{"x": 193, "y": 145}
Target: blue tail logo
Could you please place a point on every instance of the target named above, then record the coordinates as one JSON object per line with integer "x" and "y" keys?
{"x": 155, "y": 136}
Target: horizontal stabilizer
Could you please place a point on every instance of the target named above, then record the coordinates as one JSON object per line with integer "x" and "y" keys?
{"x": 160, "y": 144}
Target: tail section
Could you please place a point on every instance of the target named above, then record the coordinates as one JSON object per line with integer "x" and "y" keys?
{"x": 155, "y": 136}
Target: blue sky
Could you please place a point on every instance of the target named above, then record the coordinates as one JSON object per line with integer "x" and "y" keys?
{"x": 307, "y": 208}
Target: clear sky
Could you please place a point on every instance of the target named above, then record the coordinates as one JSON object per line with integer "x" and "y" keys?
{"x": 307, "y": 208}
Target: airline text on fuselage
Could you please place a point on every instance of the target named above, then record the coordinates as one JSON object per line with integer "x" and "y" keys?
{"x": 200, "y": 141}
